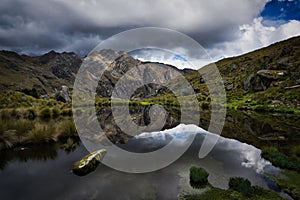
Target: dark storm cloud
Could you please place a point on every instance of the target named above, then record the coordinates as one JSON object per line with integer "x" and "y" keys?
{"x": 37, "y": 26}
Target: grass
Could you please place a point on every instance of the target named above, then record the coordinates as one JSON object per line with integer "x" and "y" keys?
{"x": 219, "y": 194}
{"x": 289, "y": 182}
{"x": 55, "y": 112}
{"x": 45, "y": 113}
{"x": 42, "y": 134}
{"x": 69, "y": 145}
{"x": 23, "y": 131}
{"x": 67, "y": 128}
{"x": 281, "y": 160}
{"x": 235, "y": 192}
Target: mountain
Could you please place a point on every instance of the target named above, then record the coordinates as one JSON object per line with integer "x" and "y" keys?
{"x": 40, "y": 75}
{"x": 266, "y": 77}
{"x": 37, "y": 75}
{"x": 121, "y": 63}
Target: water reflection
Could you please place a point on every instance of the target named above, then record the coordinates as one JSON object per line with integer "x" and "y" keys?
{"x": 43, "y": 171}
{"x": 258, "y": 129}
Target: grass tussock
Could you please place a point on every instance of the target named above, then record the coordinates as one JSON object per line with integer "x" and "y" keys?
{"x": 45, "y": 113}
{"x": 42, "y": 134}
{"x": 67, "y": 129}
{"x": 55, "y": 112}
{"x": 69, "y": 145}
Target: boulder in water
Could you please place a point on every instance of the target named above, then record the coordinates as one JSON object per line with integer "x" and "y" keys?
{"x": 89, "y": 163}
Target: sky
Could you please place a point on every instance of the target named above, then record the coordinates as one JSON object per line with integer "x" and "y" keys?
{"x": 224, "y": 28}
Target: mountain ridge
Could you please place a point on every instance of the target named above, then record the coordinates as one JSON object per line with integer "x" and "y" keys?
{"x": 266, "y": 76}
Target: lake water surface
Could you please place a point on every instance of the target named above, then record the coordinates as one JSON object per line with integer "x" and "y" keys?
{"x": 43, "y": 172}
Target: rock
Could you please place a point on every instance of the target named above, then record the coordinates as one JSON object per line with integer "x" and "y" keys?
{"x": 223, "y": 81}
{"x": 9, "y": 100}
{"x": 285, "y": 51}
{"x": 89, "y": 163}
{"x": 229, "y": 118}
{"x": 23, "y": 98}
{"x": 277, "y": 103}
{"x": 263, "y": 79}
{"x": 233, "y": 66}
{"x": 202, "y": 80}
{"x": 247, "y": 83}
{"x": 271, "y": 74}
{"x": 63, "y": 95}
{"x": 229, "y": 87}
{"x": 283, "y": 62}
{"x": 197, "y": 89}
{"x": 46, "y": 97}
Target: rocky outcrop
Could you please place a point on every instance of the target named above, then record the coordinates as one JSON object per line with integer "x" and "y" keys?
{"x": 271, "y": 74}
{"x": 263, "y": 79}
{"x": 117, "y": 64}
{"x": 63, "y": 94}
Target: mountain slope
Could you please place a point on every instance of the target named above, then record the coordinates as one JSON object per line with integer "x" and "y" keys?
{"x": 38, "y": 75}
{"x": 268, "y": 76}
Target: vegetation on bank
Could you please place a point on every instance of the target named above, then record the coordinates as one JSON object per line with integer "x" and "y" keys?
{"x": 219, "y": 194}
{"x": 239, "y": 189}
{"x": 289, "y": 181}
{"x": 25, "y": 126}
{"x": 289, "y": 178}
{"x": 280, "y": 159}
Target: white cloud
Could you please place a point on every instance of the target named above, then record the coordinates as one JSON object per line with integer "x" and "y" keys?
{"x": 180, "y": 59}
{"x": 254, "y": 36}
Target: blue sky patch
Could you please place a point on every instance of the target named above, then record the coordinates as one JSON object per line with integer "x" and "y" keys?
{"x": 282, "y": 10}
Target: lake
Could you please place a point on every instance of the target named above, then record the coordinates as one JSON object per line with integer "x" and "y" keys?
{"x": 43, "y": 171}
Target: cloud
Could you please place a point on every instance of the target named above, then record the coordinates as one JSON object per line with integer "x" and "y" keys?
{"x": 180, "y": 61}
{"x": 228, "y": 27}
{"x": 254, "y": 36}
{"x": 36, "y": 26}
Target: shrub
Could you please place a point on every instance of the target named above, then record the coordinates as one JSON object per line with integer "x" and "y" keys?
{"x": 198, "y": 176}
{"x": 55, "y": 112}
{"x": 45, "y": 113}
{"x": 241, "y": 185}
{"x": 66, "y": 112}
